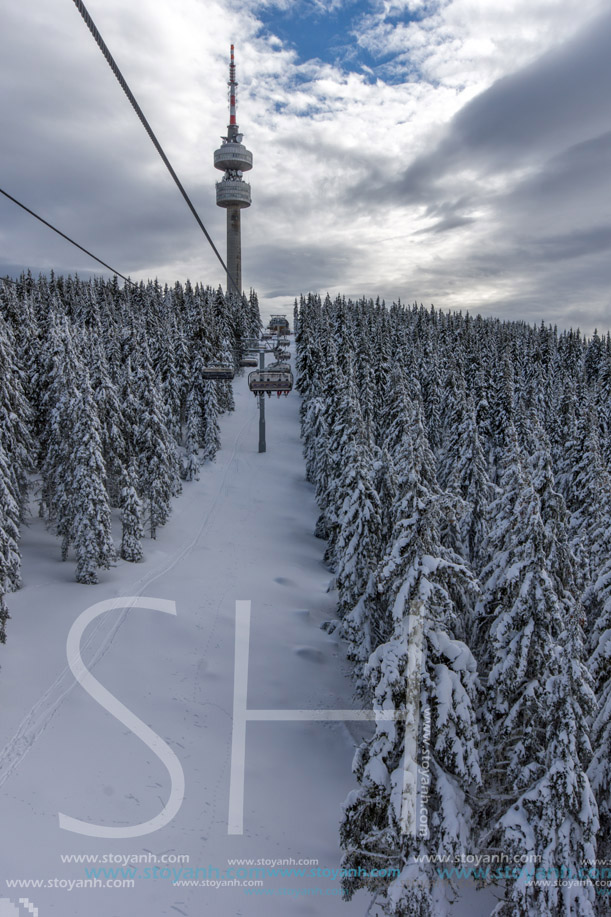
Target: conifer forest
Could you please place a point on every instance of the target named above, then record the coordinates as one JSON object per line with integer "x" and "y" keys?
{"x": 103, "y": 407}
{"x": 461, "y": 468}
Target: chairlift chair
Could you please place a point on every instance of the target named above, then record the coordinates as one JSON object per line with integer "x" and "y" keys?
{"x": 276, "y": 378}
{"x": 219, "y": 372}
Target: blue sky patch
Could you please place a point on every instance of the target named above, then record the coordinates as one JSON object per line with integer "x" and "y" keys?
{"x": 325, "y": 33}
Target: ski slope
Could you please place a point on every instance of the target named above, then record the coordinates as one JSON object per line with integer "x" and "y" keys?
{"x": 242, "y": 532}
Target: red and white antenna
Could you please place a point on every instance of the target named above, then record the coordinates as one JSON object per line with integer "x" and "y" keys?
{"x": 233, "y": 193}
{"x": 233, "y": 91}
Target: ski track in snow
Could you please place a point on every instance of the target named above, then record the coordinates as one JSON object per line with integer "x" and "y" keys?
{"x": 297, "y": 774}
{"x": 97, "y": 645}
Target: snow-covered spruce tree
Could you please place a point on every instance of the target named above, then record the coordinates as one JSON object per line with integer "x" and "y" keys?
{"x": 328, "y": 461}
{"x": 468, "y": 478}
{"x": 554, "y": 514}
{"x": 597, "y": 602}
{"x": 502, "y": 413}
{"x": 538, "y": 700}
{"x": 195, "y": 420}
{"x": 154, "y": 449}
{"x": 131, "y": 518}
{"x": 425, "y": 588}
{"x": 359, "y": 538}
{"x": 111, "y": 421}
{"x": 90, "y": 522}
{"x": 224, "y": 343}
{"x": 170, "y": 371}
{"x": 347, "y": 427}
{"x": 10, "y": 558}
{"x": 313, "y": 354}
{"x": 224, "y": 396}
{"x": 191, "y": 462}
{"x": 396, "y": 414}
{"x": 387, "y": 486}
{"x": 562, "y": 430}
{"x": 365, "y": 387}
{"x": 182, "y": 379}
{"x": 15, "y": 421}
{"x": 63, "y": 368}
{"x": 431, "y": 385}
{"x": 314, "y": 432}
{"x": 586, "y": 485}
{"x": 211, "y": 440}
{"x": 454, "y": 412}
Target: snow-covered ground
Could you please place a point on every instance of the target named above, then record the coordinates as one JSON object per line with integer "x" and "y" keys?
{"x": 243, "y": 532}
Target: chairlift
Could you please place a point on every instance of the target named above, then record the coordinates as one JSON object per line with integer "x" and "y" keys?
{"x": 279, "y": 324}
{"x": 249, "y": 361}
{"x": 275, "y": 378}
{"x": 219, "y": 372}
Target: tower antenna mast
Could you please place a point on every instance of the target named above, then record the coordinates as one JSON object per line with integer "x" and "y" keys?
{"x": 232, "y": 192}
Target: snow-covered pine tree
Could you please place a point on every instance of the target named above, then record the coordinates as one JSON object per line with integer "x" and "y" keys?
{"x": 131, "y": 518}
{"x": 359, "y": 538}
{"x": 425, "y": 589}
{"x": 90, "y": 522}
{"x": 347, "y": 427}
{"x": 538, "y": 699}
{"x": 586, "y": 486}
{"x": 224, "y": 390}
{"x": 109, "y": 414}
{"x": 597, "y": 602}
{"x": 468, "y": 478}
{"x": 15, "y": 421}
{"x": 155, "y": 455}
{"x": 211, "y": 440}
{"x": 314, "y": 429}
{"x": 193, "y": 436}
{"x": 502, "y": 413}
{"x": 10, "y": 558}
{"x": 453, "y": 412}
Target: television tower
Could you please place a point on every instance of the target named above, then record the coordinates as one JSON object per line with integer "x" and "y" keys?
{"x": 232, "y": 192}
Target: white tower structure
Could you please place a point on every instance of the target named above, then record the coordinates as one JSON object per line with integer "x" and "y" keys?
{"x": 232, "y": 192}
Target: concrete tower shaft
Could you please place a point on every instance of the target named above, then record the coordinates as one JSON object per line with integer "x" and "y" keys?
{"x": 232, "y": 192}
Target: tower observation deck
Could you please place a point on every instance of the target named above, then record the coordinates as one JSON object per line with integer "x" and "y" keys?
{"x": 232, "y": 192}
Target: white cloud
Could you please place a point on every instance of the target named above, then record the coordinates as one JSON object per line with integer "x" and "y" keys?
{"x": 332, "y": 150}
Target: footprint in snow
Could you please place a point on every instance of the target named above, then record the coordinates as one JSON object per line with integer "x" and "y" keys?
{"x": 283, "y": 581}
{"x": 309, "y": 652}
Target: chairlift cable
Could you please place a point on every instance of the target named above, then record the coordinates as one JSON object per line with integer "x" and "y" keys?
{"x": 64, "y": 236}
{"x": 115, "y": 69}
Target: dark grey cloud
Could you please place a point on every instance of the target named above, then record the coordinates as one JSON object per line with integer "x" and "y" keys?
{"x": 74, "y": 152}
{"x": 529, "y": 115}
{"x": 520, "y": 180}
{"x": 510, "y": 201}
{"x": 295, "y": 267}
{"x": 555, "y": 107}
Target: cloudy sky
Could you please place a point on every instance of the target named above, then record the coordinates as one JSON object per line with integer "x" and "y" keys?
{"x": 455, "y": 152}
